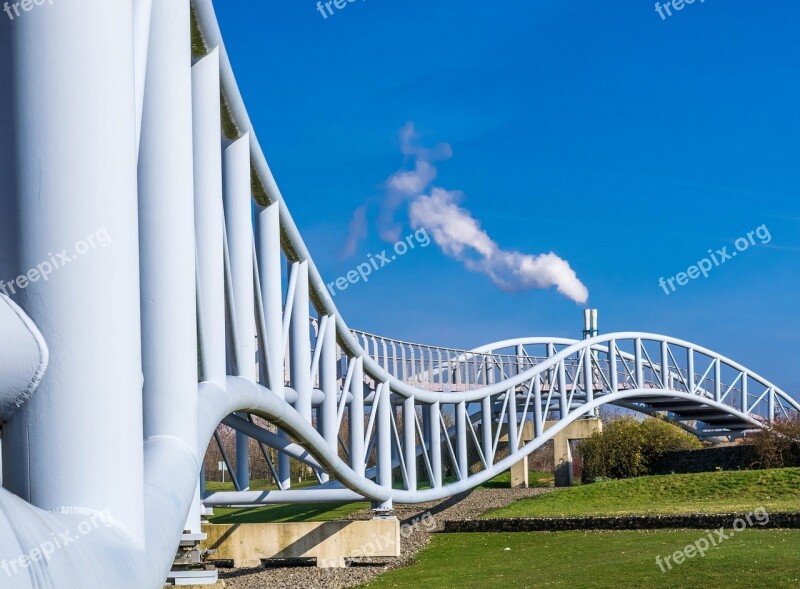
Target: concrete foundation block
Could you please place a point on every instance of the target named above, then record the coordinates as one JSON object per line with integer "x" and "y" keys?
{"x": 330, "y": 543}
{"x": 577, "y": 430}
{"x": 519, "y": 475}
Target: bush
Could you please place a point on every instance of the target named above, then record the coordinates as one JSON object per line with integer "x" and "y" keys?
{"x": 779, "y": 446}
{"x": 628, "y": 447}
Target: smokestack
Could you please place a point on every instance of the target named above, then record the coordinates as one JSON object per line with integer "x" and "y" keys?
{"x": 589, "y": 323}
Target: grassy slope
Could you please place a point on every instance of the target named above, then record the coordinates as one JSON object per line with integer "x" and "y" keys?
{"x": 718, "y": 492}
{"x": 753, "y": 558}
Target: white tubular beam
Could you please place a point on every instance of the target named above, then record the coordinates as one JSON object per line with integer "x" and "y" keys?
{"x": 282, "y": 497}
{"x": 300, "y": 344}
{"x": 613, "y": 373}
{"x": 383, "y": 435}
{"x": 141, "y": 38}
{"x": 208, "y": 214}
{"x": 208, "y": 219}
{"x": 238, "y": 219}
{"x": 639, "y": 364}
{"x": 745, "y": 402}
{"x": 771, "y": 409}
{"x": 356, "y": 414}
{"x": 563, "y": 399}
{"x": 239, "y": 222}
{"x": 486, "y": 429}
{"x": 588, "y": 375}
{"x": 269, "y": 270}
{"x": 268, "y": 227}
{"x": 461, "y": 440}
{"x": 538, "y": 422}
{"x": 71, "y": 174}
{"x": 435, "y": 433}
{"x": 410, "y": 441}
{"x": 328, "y": 384}
{"x": 513, "y": 439}
{"x": 166, "y": 231}
{"x": 166, "y": 234}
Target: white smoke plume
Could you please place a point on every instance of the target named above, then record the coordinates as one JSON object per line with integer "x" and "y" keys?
{"x": 454, "y": 229}
{"x": 460, "y": 236}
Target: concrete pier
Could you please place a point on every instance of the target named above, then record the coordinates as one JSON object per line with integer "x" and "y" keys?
{"x": 577, "y": 430}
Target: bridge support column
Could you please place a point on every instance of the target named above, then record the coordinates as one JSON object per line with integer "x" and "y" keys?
{"x": 435, "y": 442}
{"x": 208, "y": 218}
{"x": 519, "y": 474}
{"x": 238, "y": 221}
{"x": 269, "y": 270}
{"x": 167, "y": 236}
{"x": 562, "y": 455}
{"x": 68, "y": 173}
{"x": 356, "y": 416}
{"x": 383, "y": 448}
{"x": 562, "y": 458}
{"x": 300, "y": 341}
{"x": 327, "y": 414}
{"x": 382, "y": 509}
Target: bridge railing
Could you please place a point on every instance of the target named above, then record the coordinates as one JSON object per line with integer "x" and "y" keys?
{"x": 382, "y": 403}
{"x": 448, "y": 369}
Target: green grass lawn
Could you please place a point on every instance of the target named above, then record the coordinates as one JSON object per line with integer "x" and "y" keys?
{"x": 752, "y": 558}
{"x": 717, "y": 492}
{"x": 535, "y": 479}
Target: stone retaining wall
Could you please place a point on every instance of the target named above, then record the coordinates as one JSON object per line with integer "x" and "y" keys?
{"x": 625, "y": 522}
{"x": 735, "y": 457}
{"x": 732, "y": 457}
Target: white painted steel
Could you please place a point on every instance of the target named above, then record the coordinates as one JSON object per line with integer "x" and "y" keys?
{"x": 73, "y": 368}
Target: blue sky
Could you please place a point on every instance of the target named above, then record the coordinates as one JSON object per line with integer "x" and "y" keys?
{"x": 625, "y": 144}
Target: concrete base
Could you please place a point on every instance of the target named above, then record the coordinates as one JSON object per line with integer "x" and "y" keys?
{"x": 519, "y": 475}
{"x": 577, "y": 430}
{"x": 205, "y": 579}
{"x": 330, "y": 543}
{"x": 217, "y": 585}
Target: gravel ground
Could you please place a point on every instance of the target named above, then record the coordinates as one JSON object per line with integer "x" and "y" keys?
{"x": 464, "y": 506}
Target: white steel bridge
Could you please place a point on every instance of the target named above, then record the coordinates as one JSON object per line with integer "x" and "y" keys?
{"x": 206, "y": 307}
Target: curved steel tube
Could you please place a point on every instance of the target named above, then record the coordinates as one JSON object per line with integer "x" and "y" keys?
{"x": 23, "y": 357}
{"x": 137, "y": 552}
{"x": 253, "y": 398}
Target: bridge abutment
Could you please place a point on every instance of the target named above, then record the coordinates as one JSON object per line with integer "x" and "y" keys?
{"x": 562, "y": 454}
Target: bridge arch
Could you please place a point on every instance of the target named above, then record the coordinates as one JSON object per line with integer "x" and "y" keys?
{"x": 402, "y": 400}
